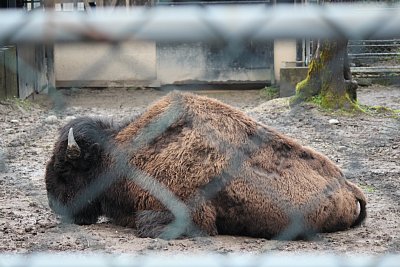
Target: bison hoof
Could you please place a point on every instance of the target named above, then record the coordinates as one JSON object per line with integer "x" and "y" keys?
{"x": 162, "y": 231}
{"x": 85, "y": 221}
{"x": 152, "y": 223}
{"x": 154, "y": 232}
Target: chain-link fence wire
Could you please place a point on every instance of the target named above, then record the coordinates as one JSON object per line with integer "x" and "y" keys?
{"x": 203, "y": 24}
{"x": 211, "y": 25}
{"x": 198, "y": 260}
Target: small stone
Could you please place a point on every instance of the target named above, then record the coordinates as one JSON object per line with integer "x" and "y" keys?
{"x": 14, "y": 121}
{"x": 15, "y": 143}
{"x": 2, "y": 162}
{"x": 51, "y": 119}
{"x": 70, "y": 118}
{"x": 334, "y": 121}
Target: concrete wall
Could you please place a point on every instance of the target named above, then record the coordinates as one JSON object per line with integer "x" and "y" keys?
{"x": 199, "y": 62}
{"x": 183, "y": 62}
{"x": 145, "y": 63}
{"x": 284, "y": 51}
{"x": 98, "y": 65}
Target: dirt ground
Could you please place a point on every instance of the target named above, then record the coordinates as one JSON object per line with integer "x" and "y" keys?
{"x": 365, "y": 146}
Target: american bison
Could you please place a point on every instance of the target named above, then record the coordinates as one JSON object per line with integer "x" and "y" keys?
{"x": 190, "y": 165}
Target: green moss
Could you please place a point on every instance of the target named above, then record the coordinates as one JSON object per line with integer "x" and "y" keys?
{"x": 337, "y": 102}
{"x": 372, "y": 110}
{"x": 301, "y": 85}
{"x": 308, "y": 87}
{"x": 330, "y": 102}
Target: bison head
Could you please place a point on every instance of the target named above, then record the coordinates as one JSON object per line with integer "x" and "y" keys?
{"x": 73, "y": 170}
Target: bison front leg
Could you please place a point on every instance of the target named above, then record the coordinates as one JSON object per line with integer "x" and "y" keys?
{"x": 150, "y": 223}
{"x": 204, "y": 217}
{"x": 162, "y": 224}
{"x": 126, "y": 221}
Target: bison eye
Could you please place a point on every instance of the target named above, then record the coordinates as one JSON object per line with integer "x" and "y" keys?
{"x": 63, "y": 175}
{"x": 62, "y": 178}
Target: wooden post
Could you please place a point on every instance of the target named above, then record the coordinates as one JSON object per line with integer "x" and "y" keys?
{"x": 51, "y": 77}
{"x": 10, "y": 59}
{"x": 49, "y": 55}
{"x": 26, "y": 70}
{"x": 48, "y": 4}
{"x": 3, "y": 91}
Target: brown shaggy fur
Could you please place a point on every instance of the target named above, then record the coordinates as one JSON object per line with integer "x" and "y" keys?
{"x": 235, "y": 175}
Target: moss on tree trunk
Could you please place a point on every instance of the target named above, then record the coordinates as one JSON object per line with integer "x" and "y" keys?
{"x": 329, "y": 77}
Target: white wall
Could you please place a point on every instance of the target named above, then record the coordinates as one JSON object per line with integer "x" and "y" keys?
{"x": 144, "y": 64}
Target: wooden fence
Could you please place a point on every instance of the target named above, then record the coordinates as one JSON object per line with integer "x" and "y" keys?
{"x": 25, "y": 69}
{"x": 8, "y": 72}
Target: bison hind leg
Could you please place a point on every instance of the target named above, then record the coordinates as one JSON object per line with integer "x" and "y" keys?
{"x": 162, "y": 224}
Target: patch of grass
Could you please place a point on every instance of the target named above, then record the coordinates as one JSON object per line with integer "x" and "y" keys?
{"x": 270, "y": 92}
{"x": 134, "y": 88}
{"x": 21, "y": 103}
{"x": 368, "y": 188}
{"x": 317, "y": 100}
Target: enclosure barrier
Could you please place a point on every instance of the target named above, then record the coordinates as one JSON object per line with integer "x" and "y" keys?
{"x": 210, "y": 23}
{"x": 229, "y": 24}
{"x": 209, "y": 260}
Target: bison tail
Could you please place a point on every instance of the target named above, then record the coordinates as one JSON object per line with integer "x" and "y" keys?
{"x": 362, "y": 201}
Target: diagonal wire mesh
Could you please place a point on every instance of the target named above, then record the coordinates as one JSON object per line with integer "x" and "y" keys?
{"x": 230, "y": 26}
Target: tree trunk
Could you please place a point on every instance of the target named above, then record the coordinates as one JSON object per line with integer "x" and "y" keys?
{"x": 329, "y": 77}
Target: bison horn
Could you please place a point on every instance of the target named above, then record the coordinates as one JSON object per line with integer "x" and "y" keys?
{"x": 73, "y": 150}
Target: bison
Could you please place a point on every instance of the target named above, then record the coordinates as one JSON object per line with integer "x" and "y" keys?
{"x": 190, "y": 165}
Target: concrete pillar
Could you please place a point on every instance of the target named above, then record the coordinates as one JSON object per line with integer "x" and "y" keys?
{"x": 284, "y": 51}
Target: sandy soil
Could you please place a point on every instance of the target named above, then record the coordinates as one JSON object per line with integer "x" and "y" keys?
{"x": 367, "y": 147}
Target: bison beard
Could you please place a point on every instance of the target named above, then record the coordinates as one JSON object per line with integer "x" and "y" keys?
{"x": 191, "y": 165}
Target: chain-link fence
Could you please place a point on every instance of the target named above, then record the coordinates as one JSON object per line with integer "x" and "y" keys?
{"x": 210, "y": 260}
{"x": 187, "y": 166}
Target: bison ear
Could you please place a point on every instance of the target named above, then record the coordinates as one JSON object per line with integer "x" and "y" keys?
{"x": 94, "y": 151}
